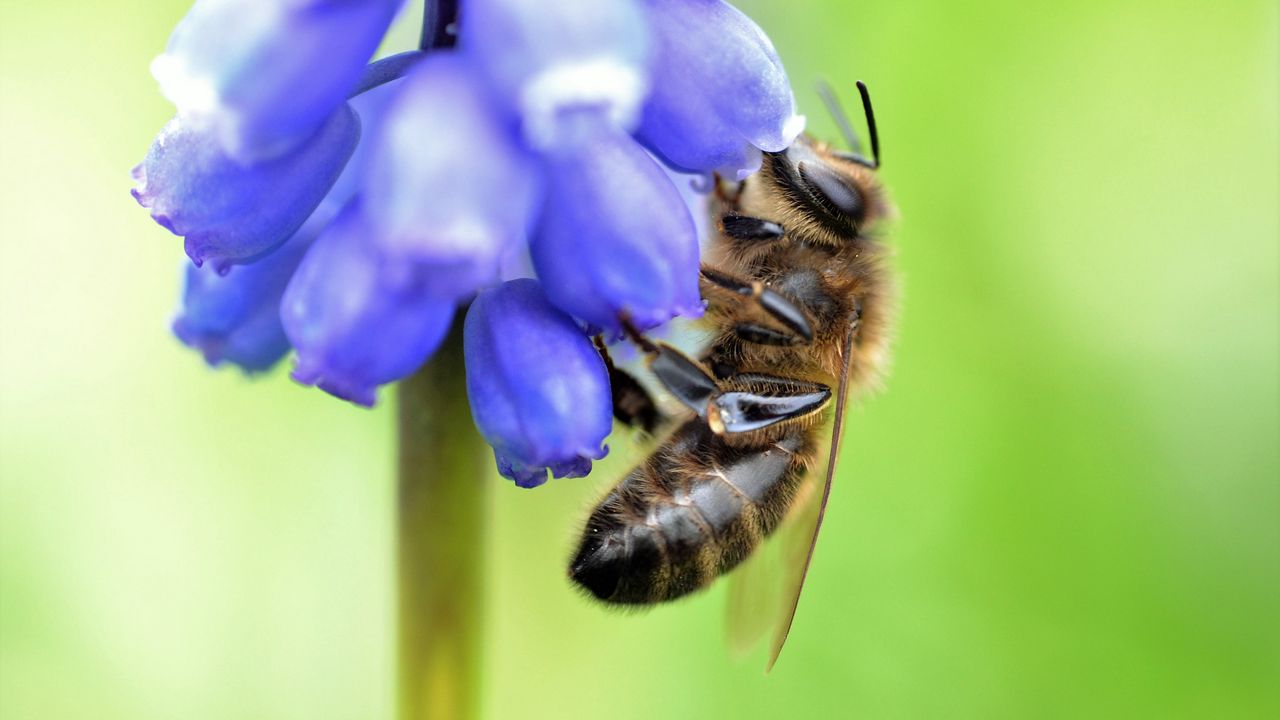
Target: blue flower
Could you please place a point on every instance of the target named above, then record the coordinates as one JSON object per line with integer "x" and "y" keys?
{"x": 352, "y": 330}
{"x": 615, "y": 236}
{"x": 720, "y": 95}
{"x": 231, "y": 213}
{"x": 261, "y": 76}
{"x": 235, "y": 317}
{"x": 457, "y": 207}
{"x": 539, "y": 389}
{"x": 547, "y": 59}
{"x": 523, "y": 150}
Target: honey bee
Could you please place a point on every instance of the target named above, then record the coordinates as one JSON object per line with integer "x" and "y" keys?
{"x": 799, "y": 300}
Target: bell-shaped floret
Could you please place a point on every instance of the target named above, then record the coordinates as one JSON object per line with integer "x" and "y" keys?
{"x": 553, "y": 58}
{"x": 719, "y": 93}
{"x": 449, "y": 189}
{"x": 615, "y": 236}
{"x": 235, "y": 317}
{"x": 231, "y": 213}
{"x": 539, "y": 389}
{"x": 261, "y": 76}
{"x": 352, "y": 330}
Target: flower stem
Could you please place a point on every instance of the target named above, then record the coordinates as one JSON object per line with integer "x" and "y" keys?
{"x": 443, "y": 468}
{"x": 439, "y": 18}
{"x": 381, "y": 72}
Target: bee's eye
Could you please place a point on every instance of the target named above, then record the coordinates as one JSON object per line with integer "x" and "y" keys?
{"x": 830, "y": 187}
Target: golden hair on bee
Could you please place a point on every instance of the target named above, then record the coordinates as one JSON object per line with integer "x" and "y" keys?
{"x": 800, "y": 303}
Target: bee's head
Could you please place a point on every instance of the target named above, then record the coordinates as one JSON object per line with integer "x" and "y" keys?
{"x": 814, "y": 193}
{"x": 831, "y": 191}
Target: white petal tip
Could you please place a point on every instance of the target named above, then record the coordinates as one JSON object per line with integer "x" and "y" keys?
{"x": 605, "y": 84}
{"x": 191, "y": 93}
{"x": 792, "y": 128}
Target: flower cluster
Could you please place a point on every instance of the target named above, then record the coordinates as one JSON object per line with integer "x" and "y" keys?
{"x": 345, "y": 211}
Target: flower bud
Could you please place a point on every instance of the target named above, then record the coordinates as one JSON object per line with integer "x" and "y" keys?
{"x": 550, "y": 58}
{"x": 261, "y": 76}
{"x": 235, "y": 317}
{"x": 353, "y": 331}
{"x": 539, "y": 390}
{"x": 615, "y": 236}
{"x": 232, "y": 213}
{"x": 719, "y": 93}
{"x": 449, "y": 189}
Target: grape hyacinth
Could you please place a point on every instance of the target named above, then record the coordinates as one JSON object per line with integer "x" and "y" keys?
{"x": 511, "y": 167}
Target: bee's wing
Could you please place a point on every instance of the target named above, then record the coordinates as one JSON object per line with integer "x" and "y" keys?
{"x": 757, "y": 587}
{"x": 755, "y": 597}
{"x": 765, "y": 590}
{"x": 805, "y": 521}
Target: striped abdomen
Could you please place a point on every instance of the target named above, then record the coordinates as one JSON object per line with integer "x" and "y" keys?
{"x": 691, "y": 512}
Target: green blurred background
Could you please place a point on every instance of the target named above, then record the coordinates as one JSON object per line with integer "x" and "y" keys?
{"x": 1066, "y": 504}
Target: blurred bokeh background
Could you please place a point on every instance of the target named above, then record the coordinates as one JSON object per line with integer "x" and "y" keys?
{"x": 1066, "y": 503}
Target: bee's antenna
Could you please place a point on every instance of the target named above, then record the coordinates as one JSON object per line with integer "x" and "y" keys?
{"x": 871, "y": 123}
{"x": 846, "y": 128}
{"x": 837, "y": 113}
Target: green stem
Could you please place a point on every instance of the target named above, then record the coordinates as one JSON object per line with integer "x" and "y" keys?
{"x": 443, "y": 475}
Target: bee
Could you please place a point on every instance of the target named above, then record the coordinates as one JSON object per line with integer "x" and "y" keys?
{"x": 799, "y": 302}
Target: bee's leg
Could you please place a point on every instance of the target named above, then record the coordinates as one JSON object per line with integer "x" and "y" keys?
{"x": 794, "y": 326}
{"x": 682, "y": 376}
{"x": 632, "y": 404}
{"x": 747, "y": 230}
{"x": 740, "y": 403}
{"x": 753, "y": 401}
{"x": 724, "y": 191}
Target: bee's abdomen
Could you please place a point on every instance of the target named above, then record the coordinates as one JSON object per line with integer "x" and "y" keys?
{"x": 691, "y": 512}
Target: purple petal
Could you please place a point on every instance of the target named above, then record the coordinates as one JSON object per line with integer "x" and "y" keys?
{"x": 615, "y": 236}
{"x": 549, "y": 58}
{"x": 449, "y": 187}
{"x": 231, "y": 213}
{"x": 263, "y": 75}
{"x": 235, "y": 317}
{"x": 720, "y": 94}
{"x": 539, "y": 390}
{"x": 353, "y": 332}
